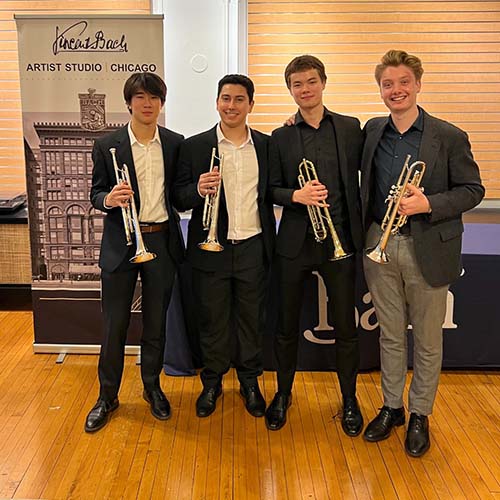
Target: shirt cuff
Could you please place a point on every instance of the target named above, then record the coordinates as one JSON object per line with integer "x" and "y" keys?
{"x": 104, "y": 204}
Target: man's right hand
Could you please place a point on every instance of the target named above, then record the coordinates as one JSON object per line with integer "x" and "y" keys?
{"x": 119, "y": 196}
{"x": 208, "y": 182}
{"x": 313, "y": 193}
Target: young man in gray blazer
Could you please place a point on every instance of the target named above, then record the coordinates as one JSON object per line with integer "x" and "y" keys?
{"x": 424, "y": 255}
{"x": 150, "y": 153}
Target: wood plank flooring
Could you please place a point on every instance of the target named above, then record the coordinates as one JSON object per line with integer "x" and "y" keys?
{"x": 45, "y": 454}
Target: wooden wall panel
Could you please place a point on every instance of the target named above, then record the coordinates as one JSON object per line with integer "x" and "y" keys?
{"x": 12, "y": 173}
{"x": 458, "y": 42}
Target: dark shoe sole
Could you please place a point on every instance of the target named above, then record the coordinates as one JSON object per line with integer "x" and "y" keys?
{"x": 91, "y": 430}
{"x": 275, "y": 428}
{"x": 256, "y": 414}
{"x": 352, "y": 434}
{"x": 398, "y": 423}
{"x": 204, "y": 415}
{"x": 284, "y": 420}
{"x": 159, "y": 417}
{"x": 417, "y": 455}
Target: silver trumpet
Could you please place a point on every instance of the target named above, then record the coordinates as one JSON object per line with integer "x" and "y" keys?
{"x": 130, "y": 218}
{"x": 392, "y": 220}
{"x": 211, "y": 211}
{"x": 318, "y": 215}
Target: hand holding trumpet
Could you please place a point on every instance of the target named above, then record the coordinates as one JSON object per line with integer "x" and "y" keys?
{"x": 414, "y": 202}
{"x": 312, "y": 193}
{"x": 209, "y": 181}
{"x": 119, "y": 196}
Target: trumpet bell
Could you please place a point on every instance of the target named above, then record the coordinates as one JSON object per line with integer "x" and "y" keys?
{"x": 141, "y": 257}
{"x": 211, "y": 246}
{"x": 377, "y": 255}
{"x": 339, "y": 255}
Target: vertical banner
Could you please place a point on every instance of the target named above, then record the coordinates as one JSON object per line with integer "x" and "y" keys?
{"x": 72, "y": 71}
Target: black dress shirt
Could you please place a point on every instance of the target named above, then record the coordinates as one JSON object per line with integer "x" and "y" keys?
{"x": 389, "y": 159}
{"x": 320, "y": 147}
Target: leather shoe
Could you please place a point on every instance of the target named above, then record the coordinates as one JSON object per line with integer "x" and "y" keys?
{"x": 205, "y": 404}
{"x": 160, "y": 407}
{"x": 352, "y": 420}
{"x": 99, "y": 414}
{"x": 276, "y": 412}
{"x": 381, "y": 426}
{"x": 417, "y": 440}
{"x": 254, "y": 401}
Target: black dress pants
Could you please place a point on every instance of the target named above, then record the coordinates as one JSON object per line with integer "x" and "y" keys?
{"x": 157, "y": 278}
{"x": 230, "y": 308}
{"x": 339, "y": 277}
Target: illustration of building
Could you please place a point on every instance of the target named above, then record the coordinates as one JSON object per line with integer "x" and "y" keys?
{"x": 66, "y": 233}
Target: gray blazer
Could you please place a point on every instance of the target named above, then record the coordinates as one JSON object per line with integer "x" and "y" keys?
{"x": 452, "y": 184}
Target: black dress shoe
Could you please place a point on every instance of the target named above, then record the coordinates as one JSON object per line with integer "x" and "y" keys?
{"x": 160, "y": 407}
{"x": 276, "y": 412}
{"x": 417, "y": 440}
{"x": 381, "y": 426}
{"x": 99, "y": 414}
{"x": 205, "y": 404}
{"x": 352, "y": 420}
{"x": 254, "y": 401}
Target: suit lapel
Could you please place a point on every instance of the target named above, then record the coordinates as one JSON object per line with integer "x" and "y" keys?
{"x": 212, "y": 142}
{"x": 261, "y": 162}
{"x": 429, "y": 147}
{"x": 124, "y": 156}
{"x": 371, "y": 143}
{"x": 341, "y": 146}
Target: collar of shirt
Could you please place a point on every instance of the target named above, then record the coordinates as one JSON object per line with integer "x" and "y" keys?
{"x": 133, "y": 139}
{"x": 418, "y": 124}
{"x": 300, "y": 119}
{"x": 221, "y": 137}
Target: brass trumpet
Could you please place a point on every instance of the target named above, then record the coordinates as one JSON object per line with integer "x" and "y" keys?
{"x": 392, "y": 220}
{"x": 318, "y": 215}
{"x": 130, "y": 218}
{"x": 211, "y": 211}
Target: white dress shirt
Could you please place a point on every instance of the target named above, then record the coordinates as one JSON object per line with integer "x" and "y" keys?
{"x": 240, "y": 177}
{"x": 150, "y": 172}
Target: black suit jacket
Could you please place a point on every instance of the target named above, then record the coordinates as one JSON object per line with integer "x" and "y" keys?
{"x": 452, "y": 184}
{"x": 286, "y": 153}
{"x": 114, "y": 246}
{"x": 194, "y": 160}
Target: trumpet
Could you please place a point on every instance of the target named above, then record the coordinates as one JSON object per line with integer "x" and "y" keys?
{"x": 392, "y": 220}
{"x": 211, "y": 211}
{"x": 318, "y": 215}
{"x": 130, "y": 218}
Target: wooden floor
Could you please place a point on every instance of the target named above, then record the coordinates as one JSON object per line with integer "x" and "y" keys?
{"x": 44, "y": 452}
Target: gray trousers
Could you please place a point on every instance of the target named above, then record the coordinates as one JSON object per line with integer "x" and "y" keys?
{"x": 401, "y": 296}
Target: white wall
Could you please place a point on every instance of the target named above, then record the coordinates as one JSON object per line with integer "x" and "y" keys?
{"x": 202, "y": 44}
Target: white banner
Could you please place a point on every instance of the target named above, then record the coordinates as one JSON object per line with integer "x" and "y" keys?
{"x": 72, "y": 71}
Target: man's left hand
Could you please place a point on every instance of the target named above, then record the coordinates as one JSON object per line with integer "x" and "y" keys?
{"x": 415, "y": 202}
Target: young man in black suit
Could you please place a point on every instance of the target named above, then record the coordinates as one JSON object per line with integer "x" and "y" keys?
{"x": 333, "y": 143}
{"x": 150, "y": 153}
{"x": 424, "y": 255}
{"x": 232, "y": 281}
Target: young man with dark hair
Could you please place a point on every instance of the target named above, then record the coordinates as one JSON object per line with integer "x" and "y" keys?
{"x": 333, "y": 144}
{"x": 231, "y": 282}
{"x": 150, "y": 153}
{"x": 424, "y": 254}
